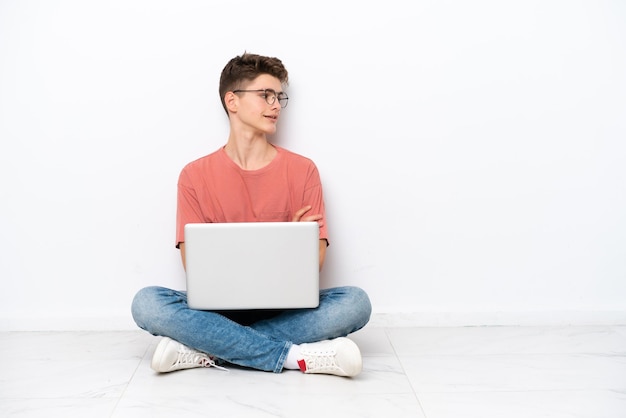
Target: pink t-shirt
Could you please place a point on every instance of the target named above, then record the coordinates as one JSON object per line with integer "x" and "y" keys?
{"x": 215, "y": 189}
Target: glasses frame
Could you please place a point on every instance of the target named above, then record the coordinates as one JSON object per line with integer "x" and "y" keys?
{"x": 282, "y": 97}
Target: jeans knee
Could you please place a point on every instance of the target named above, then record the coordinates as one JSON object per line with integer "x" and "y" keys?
{"x": 363, "y": 306}
{"x": 358, "y": 305}
{"x": 142, "y": 303}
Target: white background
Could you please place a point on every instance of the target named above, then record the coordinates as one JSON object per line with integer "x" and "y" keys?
{"x": 473, "y": 153}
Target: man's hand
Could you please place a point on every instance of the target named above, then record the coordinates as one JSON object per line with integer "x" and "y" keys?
{"x": 299, "y": 216}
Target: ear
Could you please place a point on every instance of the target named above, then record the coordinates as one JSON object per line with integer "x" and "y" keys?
{"x": 232, "y": 102}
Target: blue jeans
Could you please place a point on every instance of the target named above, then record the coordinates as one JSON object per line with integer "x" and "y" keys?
{"x": 261, "y": 344}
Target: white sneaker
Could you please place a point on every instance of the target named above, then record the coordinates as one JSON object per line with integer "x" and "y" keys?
{"x": 340, "y": 357}
{"x": 171, "y": 355}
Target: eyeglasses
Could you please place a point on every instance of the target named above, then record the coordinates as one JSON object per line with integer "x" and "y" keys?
{"x": 269, "y": 95}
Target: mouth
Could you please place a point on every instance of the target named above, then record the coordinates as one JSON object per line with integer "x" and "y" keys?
{"x": 272, "y": 117}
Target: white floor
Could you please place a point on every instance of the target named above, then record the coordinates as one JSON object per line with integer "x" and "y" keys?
{"x": 468, "y": 372}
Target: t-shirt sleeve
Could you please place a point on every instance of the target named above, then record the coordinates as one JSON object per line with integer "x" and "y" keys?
{"x": 187, "y": 207}
{"x": 313, "y": 195}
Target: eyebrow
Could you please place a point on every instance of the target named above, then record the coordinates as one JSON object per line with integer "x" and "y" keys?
{"x": 261, "y": 89}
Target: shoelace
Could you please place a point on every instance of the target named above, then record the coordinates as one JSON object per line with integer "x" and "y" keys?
{"x": 320, "y": 360}
{"x": 190, "y": 358}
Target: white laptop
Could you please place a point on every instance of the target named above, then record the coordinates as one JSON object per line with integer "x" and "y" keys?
{"x": 252, "y": 265}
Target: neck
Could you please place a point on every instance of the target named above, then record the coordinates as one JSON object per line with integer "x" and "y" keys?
{"x": 250, "y": 153}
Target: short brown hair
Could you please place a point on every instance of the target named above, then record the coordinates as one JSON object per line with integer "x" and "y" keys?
{"x": 247, "y": 67}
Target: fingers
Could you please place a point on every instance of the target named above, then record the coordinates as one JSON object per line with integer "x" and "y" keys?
{"x": 313, "y": 218}
{"x": 299, "y": 216}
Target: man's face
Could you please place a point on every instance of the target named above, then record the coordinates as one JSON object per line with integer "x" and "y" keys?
{"x": 253, "y": 107}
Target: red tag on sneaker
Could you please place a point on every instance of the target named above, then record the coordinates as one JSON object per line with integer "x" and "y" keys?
{"x": 302, "y": 365}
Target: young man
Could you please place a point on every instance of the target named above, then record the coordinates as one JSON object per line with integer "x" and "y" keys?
{"x": 251, "y": 180}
